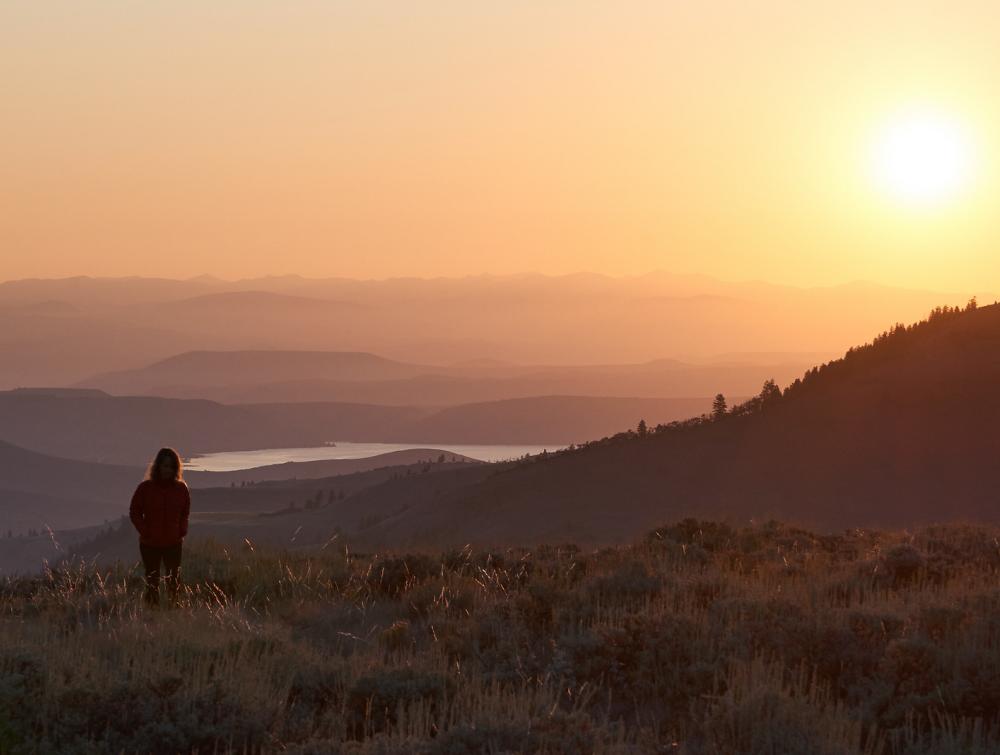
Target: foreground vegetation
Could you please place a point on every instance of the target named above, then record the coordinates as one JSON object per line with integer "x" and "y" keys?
{"x": 699, "y": 639}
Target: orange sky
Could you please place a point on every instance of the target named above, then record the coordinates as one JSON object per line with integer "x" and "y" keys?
{"x": 375, "y": 138}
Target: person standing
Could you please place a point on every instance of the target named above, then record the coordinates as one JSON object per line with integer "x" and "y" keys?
{"x": 159, "y": 511}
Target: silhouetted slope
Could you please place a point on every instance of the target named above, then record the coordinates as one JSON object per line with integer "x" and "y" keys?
{"x": 21, "y": 512}
{"x": 897, "y": 433}
{"x": 38, "y": 491}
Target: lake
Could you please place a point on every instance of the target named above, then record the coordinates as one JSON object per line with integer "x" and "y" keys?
{"x": 229, "y": 461}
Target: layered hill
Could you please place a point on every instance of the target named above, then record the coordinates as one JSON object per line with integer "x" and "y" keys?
{"x": 900, "y": 432}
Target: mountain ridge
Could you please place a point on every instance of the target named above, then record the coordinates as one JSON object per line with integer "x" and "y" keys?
{"x": 113, "y": 324}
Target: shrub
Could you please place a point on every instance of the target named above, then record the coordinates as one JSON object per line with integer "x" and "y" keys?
{"x": 22, "y": 687}
{"x": 712, "y": 536}
{"x": 629, "y": 583}
{"x": 393, "y": 576}
{"x": 313, "y": 692}
{"x": 374, "y": 701}
{"x": 902, "y": 563}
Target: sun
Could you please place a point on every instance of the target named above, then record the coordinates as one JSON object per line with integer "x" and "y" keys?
{"x": 922, "y": 158}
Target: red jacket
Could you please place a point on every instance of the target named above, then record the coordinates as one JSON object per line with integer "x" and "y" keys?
{"x": 160, "y": 511}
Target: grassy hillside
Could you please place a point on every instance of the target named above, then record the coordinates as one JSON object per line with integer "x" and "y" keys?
{"x": 696, "y": 639}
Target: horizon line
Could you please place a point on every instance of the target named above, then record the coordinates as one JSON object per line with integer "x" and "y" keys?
{"x": 855, "y": 282}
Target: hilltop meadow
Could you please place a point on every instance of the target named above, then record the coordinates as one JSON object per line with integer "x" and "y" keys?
{"x": 697, "y": 638}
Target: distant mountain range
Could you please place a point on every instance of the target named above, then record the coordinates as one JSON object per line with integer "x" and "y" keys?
{"x": 59, "y": 332}
{"x": 358, "y": 377}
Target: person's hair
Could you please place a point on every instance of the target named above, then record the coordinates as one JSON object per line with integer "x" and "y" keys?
{"x": 169, "y": 457}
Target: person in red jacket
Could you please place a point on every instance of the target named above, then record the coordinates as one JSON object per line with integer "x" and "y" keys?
{"x": 160, "y": 509}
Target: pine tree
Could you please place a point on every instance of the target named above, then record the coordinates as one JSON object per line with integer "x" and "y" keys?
{"x": 769, "y": 392}
{"x": 719, "y": 406}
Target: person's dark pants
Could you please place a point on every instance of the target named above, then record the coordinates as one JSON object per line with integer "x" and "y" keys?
{"x": 152, "y": 557}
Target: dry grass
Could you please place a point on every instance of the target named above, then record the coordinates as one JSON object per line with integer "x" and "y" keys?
{"x": 700, "y": 639}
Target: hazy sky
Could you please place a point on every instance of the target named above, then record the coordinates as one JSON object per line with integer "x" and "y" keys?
{"x": 368, "y": 138}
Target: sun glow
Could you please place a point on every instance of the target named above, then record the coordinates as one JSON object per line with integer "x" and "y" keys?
{"x": 923, "y": 158}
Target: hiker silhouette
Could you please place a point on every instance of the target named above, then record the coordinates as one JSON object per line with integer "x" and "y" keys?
{"x": 160, "y": 509}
